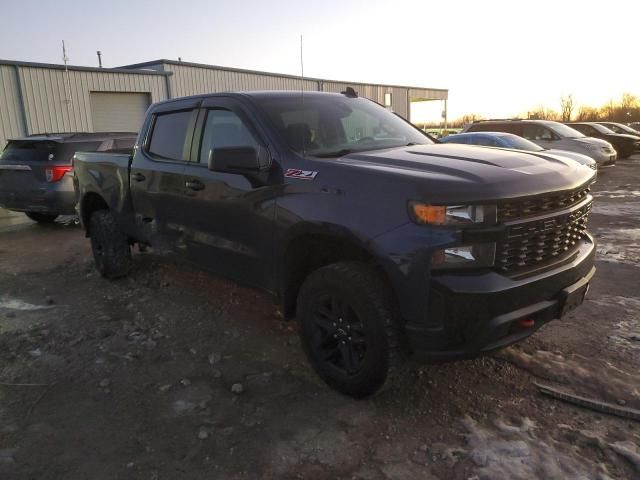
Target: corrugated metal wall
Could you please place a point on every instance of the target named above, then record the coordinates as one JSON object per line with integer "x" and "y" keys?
{"x": 194, "y": 80}
{"x": 55, "y": 101}
{"x": 188, "y": 80}
{"x": 11, "y": 118}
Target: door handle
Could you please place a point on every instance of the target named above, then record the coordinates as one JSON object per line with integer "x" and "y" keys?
{"x": 194, "y": 185}
{"x": 138, "y": 177}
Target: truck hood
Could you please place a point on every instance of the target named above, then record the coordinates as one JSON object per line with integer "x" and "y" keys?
{"x": 445, "y": 172}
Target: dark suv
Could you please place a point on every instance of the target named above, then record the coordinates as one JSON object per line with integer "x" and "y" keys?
{"x": 624, "y": 143}
{"x": 33, "y": 171}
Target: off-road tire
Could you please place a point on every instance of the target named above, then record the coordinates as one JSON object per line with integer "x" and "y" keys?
{"x": 111, "y": 249}
{"x": 42, "y": 217}
{"x": 369, "y": 300}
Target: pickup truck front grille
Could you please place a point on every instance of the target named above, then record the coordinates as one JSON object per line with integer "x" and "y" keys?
{"x": 517, "y": 209}
{"x": 538, "y": 242}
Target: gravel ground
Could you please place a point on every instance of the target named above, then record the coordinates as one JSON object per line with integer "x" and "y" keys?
{"x": 173, "y": 373}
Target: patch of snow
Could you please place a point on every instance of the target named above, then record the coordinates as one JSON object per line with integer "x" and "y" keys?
{"x": 516, "y": 453}
{"x": 14, "y": 304}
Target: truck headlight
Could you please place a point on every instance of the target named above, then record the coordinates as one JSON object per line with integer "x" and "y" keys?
{"x": 453, "y": 215}
{"x": 465, "y": 256}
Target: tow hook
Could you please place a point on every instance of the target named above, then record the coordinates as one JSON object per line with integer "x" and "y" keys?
{"x": 526, "y": 322}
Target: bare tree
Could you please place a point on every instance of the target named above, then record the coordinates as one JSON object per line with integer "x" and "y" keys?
{"x": 470, "y": 118}
{"x": 629, "y": 108}
{"x": 588, "y": 114}
{"x": 543, "y": 113}
{"x": 566, "y": 107}
{"x": 610, "y": 110}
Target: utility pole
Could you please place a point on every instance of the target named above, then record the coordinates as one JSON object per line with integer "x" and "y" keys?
{"x": 67, "y": 83}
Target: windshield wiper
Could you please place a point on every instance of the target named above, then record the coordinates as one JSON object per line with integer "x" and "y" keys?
{"x": 337, "y": 153}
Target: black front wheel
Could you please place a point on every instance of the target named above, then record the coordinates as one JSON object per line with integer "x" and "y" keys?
{"x": 42, "y": 217}
{"x": 349, "y": 327}
{"x": 110, "y": 245}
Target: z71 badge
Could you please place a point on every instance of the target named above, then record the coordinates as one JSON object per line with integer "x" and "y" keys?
{"x": 301, "y": 174}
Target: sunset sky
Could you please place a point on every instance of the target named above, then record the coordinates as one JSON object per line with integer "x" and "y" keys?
{"x": 497, "y": 58}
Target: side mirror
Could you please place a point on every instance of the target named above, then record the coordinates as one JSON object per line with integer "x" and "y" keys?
{"x": 238, "y": 159}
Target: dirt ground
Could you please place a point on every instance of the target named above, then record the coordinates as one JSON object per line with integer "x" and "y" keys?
{"x": 141, "y": 378}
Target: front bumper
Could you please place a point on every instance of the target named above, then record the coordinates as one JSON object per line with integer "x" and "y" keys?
{"x": 604, "y": 158}
{"x": 470, "y": 315}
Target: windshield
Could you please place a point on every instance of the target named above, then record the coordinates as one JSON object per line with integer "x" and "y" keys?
{"x": 329, "y": 126}
{"x": 565, "y": 131}
{"x": 619, "y": 128}
{"x": 602, "y": 128}
{"x": 519, "y": 143}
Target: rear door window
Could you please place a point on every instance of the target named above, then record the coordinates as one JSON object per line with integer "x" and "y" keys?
{"x": 493, "y": 127}
{"x": 533, "y": 131}
{"x": 169, "y": 135}
{"x": 586, "y": 129}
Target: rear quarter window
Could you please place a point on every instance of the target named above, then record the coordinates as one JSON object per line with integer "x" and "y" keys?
{"x": 489, "y": 127}
{"x": 28, "y": 151}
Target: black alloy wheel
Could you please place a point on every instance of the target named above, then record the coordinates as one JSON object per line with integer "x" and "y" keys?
{"x": 349, "y": 327}
{"x": 339, "y": 336}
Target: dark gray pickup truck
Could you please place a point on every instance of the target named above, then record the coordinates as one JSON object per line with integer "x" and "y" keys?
{"x": 380, "y": 241}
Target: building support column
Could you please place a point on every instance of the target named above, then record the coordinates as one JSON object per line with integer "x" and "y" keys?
{"x": 23, "y": 111}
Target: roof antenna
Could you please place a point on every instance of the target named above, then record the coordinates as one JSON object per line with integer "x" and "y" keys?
{"x": 302, "y": 130}
{"x": 350, "y": 92}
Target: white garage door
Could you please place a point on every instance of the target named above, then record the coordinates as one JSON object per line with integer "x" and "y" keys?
{"x": 118, "y": 112}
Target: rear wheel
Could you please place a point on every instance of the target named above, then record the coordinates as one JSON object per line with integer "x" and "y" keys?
{"x": 110, "y": 245}
{"x": 42, "y": 217}
{"x": 349, "y": 327}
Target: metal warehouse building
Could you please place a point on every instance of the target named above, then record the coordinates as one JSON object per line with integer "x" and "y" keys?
{"x": 46, "y": 98}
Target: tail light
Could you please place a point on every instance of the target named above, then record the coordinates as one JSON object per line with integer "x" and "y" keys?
{"x": 55, "y": 174}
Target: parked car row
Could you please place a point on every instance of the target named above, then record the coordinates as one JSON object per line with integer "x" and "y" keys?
{"x": 35, "y": 170}
{"x": 603, "y": 142}
{"x": 552, "y": 135}
{"x": 624, "y": 143}
{"x": 509, "y": 140}
{"x": 621, "y": 128}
